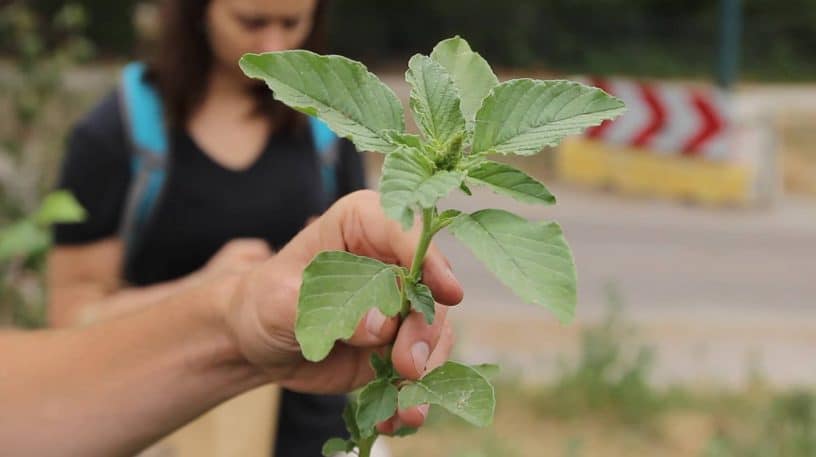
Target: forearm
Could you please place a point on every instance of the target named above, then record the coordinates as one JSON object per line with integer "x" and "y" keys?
{"x": 130, "y": 299}
{"x": 86, "y": 285}
{"x": 114, "y": 387}
{"x": 89, "y": 303}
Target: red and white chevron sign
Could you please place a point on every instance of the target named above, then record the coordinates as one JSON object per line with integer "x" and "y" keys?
{"x": 667, "y": 118}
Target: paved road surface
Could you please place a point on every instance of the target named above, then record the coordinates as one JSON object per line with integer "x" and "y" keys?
{"x": 713, "y": 290}
{"x": 665, "y": 256}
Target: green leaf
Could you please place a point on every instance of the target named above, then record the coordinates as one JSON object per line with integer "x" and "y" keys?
{"x": 383, "y": 369}
{"x": 405, "y": 431}
{"x": 338, "y": 288}
{"x": 59, "y": 207}
{"x": 409, "y": 179}
{"x": 445, "y": 219}
{"x": 504, "y": 179}
{"x": 434, "y": 99}
{"x": 421, "y": 300}
{"x": 376, "y": 403}
{"x": 335, "y": 446}
{"x": 488, "y": 370}
{"x": 456, "y": 387}
{"x": 448, "y": 214}
{"x": 403, "y": 139}
{"x": 343, "y": 93}
{"x": 531, "y": 258}
{"x": 465, "y": 189}
{"x": 350, "y": 419}
{"x": 470, "y": 72}
{"x": 22, "y": 239}
{"x": 522, "y": 116}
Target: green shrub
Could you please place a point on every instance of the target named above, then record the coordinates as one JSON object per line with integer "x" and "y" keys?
{"x": 34, "y": 103}
{"x": 610, "y": 378}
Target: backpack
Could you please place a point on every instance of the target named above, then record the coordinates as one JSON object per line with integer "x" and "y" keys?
{"x": 142, "y": 115}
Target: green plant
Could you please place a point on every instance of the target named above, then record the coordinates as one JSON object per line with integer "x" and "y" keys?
{"x": 464, "y": 114}
{"x": 23, "y": 245}
{"x": 34, "y": 99}
{"x": 611, "y": 377}
{"x": 786, "y": 426}
{"x": 34, "y": 104}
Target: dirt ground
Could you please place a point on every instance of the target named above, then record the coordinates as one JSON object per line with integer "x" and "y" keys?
{"x": 519, "y": 431}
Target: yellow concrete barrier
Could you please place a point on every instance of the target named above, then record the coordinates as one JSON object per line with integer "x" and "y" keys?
{"x": 644, "y": 172}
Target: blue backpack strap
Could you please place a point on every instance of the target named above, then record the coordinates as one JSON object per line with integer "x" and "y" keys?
{"x": 327, "y": 145}
{"x": 142, "y": 115}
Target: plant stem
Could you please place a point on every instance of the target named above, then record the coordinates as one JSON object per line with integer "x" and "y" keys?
{"x": 428, "y": 231}
{"x": 415, "y": 273}
{"x": 365, "y": 445}
{"x": 424, "y": 242}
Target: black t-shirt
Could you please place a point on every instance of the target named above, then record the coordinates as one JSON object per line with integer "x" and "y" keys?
{"x": 203, "y": 206}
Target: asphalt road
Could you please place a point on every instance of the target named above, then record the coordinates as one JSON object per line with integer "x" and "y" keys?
{"x": 717, "y": 293}
{"x": 664, "y": 256}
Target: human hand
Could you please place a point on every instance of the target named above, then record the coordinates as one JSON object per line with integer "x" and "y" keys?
{"x": 264, "y": 306}
{"x": 237, "y": 256}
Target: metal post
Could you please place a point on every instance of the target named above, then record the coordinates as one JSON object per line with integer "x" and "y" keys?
{"x": 730, "y": 30}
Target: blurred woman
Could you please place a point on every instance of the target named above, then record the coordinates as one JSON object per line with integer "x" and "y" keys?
{"x": 243, "y": 178}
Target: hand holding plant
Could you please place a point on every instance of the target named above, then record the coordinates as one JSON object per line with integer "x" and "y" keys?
{"x": 464, "y": 115}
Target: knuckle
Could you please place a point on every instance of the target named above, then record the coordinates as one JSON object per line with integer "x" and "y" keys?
{"x": 365, "y": 195}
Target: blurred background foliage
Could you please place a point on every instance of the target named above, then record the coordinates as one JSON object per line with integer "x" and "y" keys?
{"x": 677, "y": 38}
{"x": 604, "y": 402}
{"x": 34, "y": 104}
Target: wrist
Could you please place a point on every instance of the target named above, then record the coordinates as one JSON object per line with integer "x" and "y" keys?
{"x": 220, "y": 293}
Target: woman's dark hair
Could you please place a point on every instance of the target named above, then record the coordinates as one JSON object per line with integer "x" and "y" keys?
{"x": 181, "y": 62}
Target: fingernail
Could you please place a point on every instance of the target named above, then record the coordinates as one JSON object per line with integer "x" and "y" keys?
{"x": 423, "y": 409}
{"x": 419, "y": 353}
{"x": 374, "y": 322}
